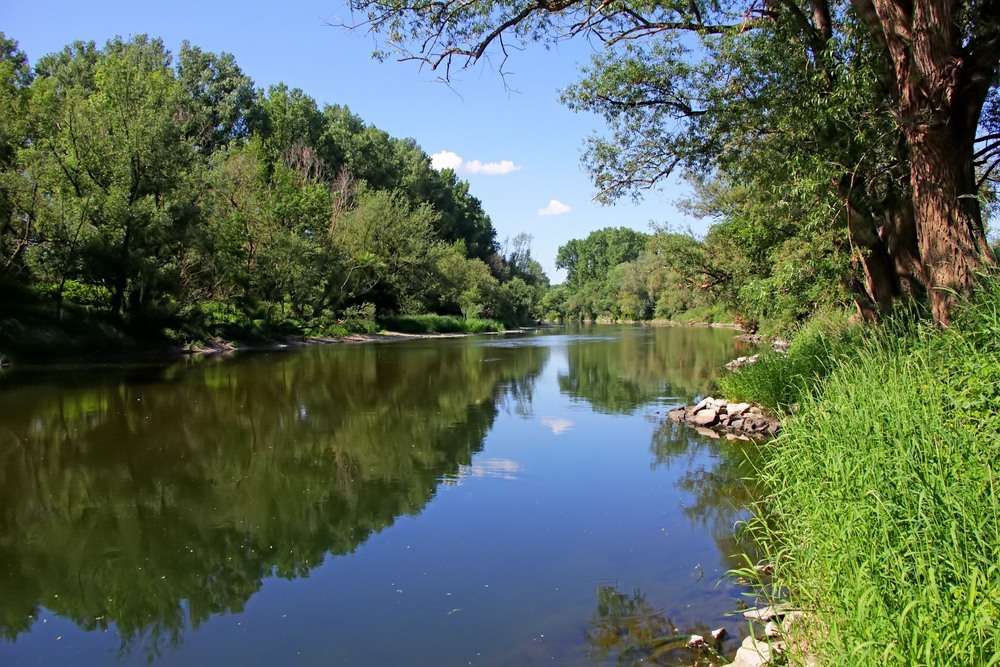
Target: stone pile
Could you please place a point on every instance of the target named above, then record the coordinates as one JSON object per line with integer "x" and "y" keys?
{"x": 714, "y": 417}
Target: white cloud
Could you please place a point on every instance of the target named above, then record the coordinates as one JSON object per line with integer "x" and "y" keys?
{"x": 493, "y": 168}
{"x": 450, "y": 160}
{"x": 555, "y": 207}
{"x": 445, "y": 160}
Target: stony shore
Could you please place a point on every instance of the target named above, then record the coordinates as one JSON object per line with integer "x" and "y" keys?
{"x": 717, "y": 418}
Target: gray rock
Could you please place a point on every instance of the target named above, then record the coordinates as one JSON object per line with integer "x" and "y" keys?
{"x": 703, "y": 403}
{"x": 677, "y": 414}
{"x": 707, "y": 432}
{"x": 706, "y": 417}
{"x": 737, "y": 409}
{"x": 762, "y": 614}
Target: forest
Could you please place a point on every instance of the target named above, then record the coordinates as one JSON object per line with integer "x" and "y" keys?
{"x": 146, "y": 195}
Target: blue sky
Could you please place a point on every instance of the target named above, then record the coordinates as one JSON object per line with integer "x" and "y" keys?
{"x": 519, "y": 129}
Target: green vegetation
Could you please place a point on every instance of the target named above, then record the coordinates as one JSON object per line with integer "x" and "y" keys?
{"x": 151, "y": 198}
{"x": 882, "y": 511}
{"x": 845, "y": 150}
{"x": 779, "y": 379}
{"x": 439, "y": 324}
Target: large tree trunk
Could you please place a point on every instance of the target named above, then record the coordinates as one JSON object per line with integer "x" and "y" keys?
{"x": 939, "y": 85}
{"x": 953, "y": 245}
{"x": 898, "y": 231}
{"x": 881, "y": 285}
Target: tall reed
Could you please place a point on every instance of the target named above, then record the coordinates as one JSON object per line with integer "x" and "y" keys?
{"x": 882, "y": 509}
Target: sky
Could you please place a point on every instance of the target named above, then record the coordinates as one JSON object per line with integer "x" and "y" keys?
{"x": 508, "y": 136}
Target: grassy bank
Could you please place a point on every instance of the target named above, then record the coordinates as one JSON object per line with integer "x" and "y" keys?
{"x": 882, "y": 511}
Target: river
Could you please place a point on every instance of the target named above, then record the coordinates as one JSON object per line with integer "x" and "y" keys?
{"x": 512, "y": 500}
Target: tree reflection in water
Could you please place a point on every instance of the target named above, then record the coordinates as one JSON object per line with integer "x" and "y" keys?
{"x": 150, "y": 500}
{"x": 626, "y": 628}
{"x": 723, "y": 491}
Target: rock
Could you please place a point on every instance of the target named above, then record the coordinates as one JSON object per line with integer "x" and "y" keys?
{"x": 703, "y": 403}
{"x": 772, "y": 630}
{"x": 752, "y": 654}
{"x": 718, "y": 634}
{"x": 736, "y": 424}
{"x": 706, "y": 417}
{"x": 676, "y": 415}
{"x": 762, "y": 614}
{"x": 773, "y": 428}
{"x": 696, "y": 640}
{"x": 737, "y": 409}
{"x": 707, "y": 432}
{"x": 791, "y": 619}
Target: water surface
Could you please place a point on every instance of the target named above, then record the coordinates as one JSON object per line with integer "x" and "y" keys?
{"x": 487, "y": 501}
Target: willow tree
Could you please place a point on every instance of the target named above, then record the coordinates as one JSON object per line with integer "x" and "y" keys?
{"x": 933, "y": 65}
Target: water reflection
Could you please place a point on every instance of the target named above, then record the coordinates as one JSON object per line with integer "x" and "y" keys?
{"x": 151, "y": 500}
{"x": 630, "y": 630}
{"x": 719, "y": 476}
{"x": 622, "y": 375}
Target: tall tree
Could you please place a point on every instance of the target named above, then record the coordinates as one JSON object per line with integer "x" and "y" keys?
{"x": 109, "y": 165}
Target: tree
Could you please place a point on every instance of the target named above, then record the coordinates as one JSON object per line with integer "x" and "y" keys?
{"x": 15, "y": 78}
{"x": 925, "y": 68}
{"x": 221, "y": 93}
{"x": 110, "y": 168}
{"x": 590, "y": 259}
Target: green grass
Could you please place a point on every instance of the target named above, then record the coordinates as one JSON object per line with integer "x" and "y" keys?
{"x": 439, "y": 324}
{"x": 778, "y": 380}
{"x": 882, "y": 510}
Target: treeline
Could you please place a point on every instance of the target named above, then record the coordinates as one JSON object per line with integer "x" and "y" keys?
{"x": 740, "y": 271}
{"x": 158, "y": 192}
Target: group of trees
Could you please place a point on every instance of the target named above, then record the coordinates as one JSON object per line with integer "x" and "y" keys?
{"x": 168, "y": 191}
{"x": 751, "y": 271}
{"x": 848, "y": 148}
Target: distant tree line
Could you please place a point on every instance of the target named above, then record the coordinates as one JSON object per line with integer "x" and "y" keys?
{"x": 164, "y": 191}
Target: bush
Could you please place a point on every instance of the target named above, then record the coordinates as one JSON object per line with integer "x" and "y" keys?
{"x": 439, "y": 324}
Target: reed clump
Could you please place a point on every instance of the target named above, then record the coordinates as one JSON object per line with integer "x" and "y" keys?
{"x": 882, "y": 513}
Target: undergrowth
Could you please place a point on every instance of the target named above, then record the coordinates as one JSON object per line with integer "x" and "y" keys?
{"x": 881, "y": 510}
{"x": 778, "y": 379}
{"x": 439, "y": 324}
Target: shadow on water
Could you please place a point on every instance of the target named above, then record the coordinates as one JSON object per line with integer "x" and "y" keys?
{"x": 150, "y": 500}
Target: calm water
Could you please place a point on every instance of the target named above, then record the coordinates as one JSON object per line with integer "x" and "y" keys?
{"x": 485, "y": 501}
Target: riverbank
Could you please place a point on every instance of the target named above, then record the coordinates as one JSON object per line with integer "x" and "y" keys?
{"x": 881, "y": 513}
{"x": 156, "y": 351}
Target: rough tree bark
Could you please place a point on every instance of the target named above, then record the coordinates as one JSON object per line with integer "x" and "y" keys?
{"x": 939, "y": 84}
